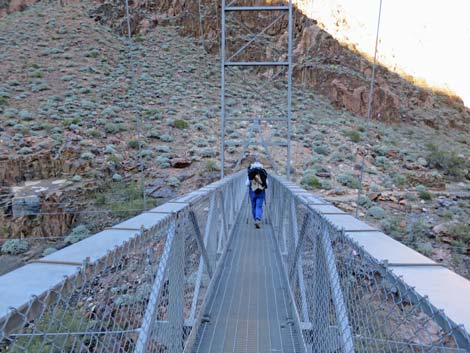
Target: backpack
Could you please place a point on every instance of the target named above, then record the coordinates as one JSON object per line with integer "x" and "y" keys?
{"x": 255, "y": 184}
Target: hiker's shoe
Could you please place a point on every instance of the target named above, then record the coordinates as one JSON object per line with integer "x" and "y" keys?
{"x": 257, "y": 223}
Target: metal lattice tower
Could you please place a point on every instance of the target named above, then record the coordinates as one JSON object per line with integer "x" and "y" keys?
{"x": 229, "y": 61}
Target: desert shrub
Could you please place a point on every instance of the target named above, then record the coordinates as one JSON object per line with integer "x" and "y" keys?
{"x": 173, "y": 181}
{"x": 423, "y": 192}
{"x": 181, "y": 124}
{"x": 310, "y": 181}
{"x": 382, "y": 161}
{"x": 201, "y": 143}
{"x": 364, "y": 201}
{"x": 208, "y": 153}
{"x": 146, "y": 153}
{"x": 322, "y": 150}
{"x": 461, "y": 234}
{"x": 349, "y": 180}
{"x": 48, "y": 251}
{"x": 415, "y": 230}
{"x": 114, "y": 128}
{"x": 376, "y": 212}
{"x": 117, "y": 177}
{"x": 134, "y": 144}
{"x": 211, "y": 165}
{"x": 338, "y": 157}
{"x": 399, "y": 180}
{"x": 391, "y": 226}
{"x": 25, "y": 150}
{"x": 380, "y": 150}
{"x": 15, "y": 246}
{"x": 162, "y": 148}
{"x": 447, "y": 161}
{"x": 93, "y": 133}
{"x": 87, "y": 155}
{"x": 70, "y": 321}
{"x": 79, "y": 233}
{"x": 123, "y": 199}
{"x": 154, "y": 134}
{"x": 448, "y": 214}
{"x": 353, "y": 135}
{"x": 163, "y": 161}
{"x": 200, "y": 127}
{"x": 424, "y": 248}
{"x": 166, "y": 138}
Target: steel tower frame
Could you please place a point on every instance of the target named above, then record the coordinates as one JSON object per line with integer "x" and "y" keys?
{"x": 256, "y": 121}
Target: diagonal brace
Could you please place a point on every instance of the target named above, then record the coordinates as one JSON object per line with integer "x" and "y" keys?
{"x": 255, "y": 37}
{"x": 298, "y": 249}
{"x": 200, "y": 242}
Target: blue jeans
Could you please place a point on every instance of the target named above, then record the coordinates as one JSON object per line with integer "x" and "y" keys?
{"x": 257, "y": 204}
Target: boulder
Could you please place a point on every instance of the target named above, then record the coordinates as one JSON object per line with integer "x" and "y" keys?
{"x": 180, "y": 162}
{"x": 163, "y": 193}
{"x": 443, "y": 229}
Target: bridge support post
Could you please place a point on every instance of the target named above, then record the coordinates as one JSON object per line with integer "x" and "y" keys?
{"x": 176, "y": 291}
{"x": 210, "y": 234}
{"x": 341, "y": 312}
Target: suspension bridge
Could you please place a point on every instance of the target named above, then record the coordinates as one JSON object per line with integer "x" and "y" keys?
{"x": 195, "y": 275}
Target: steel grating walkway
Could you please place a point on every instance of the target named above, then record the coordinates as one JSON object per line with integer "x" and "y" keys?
{"x": 250, "y": 310}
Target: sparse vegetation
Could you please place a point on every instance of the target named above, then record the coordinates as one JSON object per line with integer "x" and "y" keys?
{"x": 123, "y": 199}
{"x": 353, "y": 135}
{"x": 89, "y": 107}
{"x": 15, "y": 246}
{"x": 181, "y": 124}
{"x": 349, "y": 180}
{"x": 3, "y": 101}
{"x": 447, "y": 161}
{"x": 310, "y": 181}
{"x": 461, "y": 234}
{"x": 211, "y": 165}
{"x": 423, "y": 193}
{"x": 79, "y": 233}
{"x": 134, "y": 144}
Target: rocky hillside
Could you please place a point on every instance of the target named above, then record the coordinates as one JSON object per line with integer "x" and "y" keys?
{"x": 321, "y": 62}
{"x": 83, "y": 116}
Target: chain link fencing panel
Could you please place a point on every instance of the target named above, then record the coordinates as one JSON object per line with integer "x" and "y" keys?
{"x": 345, "y": 299}
{"x": 144, "y": 296}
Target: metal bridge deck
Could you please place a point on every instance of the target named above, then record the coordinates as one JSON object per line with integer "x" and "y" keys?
{"x": 250, "y": 310}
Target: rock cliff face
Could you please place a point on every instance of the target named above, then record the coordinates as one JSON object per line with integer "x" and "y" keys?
{"x": 333, "y": 70}
{"x": 40, "y": 166}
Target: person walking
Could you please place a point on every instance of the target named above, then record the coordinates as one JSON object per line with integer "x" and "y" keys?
{"x": 257, "y": 182}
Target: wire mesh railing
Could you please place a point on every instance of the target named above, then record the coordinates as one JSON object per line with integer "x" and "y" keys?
{"x": 144, "y": 296}
{"x": 347, "y": 300}
{"x": 149, "y": 294}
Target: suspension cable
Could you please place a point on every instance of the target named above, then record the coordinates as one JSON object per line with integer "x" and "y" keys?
{"x": 369, "y": 111}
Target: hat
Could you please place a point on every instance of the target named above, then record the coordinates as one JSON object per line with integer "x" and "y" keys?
{"x": 256, "y": 165}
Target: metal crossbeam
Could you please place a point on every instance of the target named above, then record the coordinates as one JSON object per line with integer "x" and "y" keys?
{"x": 256, "y": 63}
{"x": 228, "y": 63}
{"x": 257, "y": 8}
{"x": 249, "y": 118}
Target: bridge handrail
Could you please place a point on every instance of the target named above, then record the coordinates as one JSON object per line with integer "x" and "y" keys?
{"x": 168, "y": 254}
{"x": 353, "y": 251}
